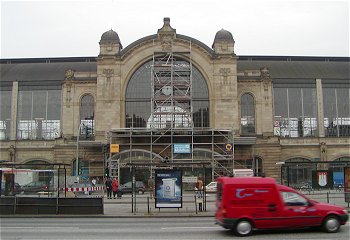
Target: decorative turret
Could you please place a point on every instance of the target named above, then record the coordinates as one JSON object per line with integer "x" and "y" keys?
{"x": 223, "y": 42}
{"x": 110, "y": 43}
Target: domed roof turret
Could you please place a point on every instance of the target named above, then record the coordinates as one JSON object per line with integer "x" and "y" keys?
{"x": 110, "y": 37}
{"x": 223, "y": 35}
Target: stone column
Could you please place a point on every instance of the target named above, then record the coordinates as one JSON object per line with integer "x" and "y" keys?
{"x": 320, "y": 113}
{"x": 14, "y": 101}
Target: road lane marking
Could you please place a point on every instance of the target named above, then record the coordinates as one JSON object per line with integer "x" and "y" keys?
{"x": 168, "y": 228}
{"x": 39, "y": 227}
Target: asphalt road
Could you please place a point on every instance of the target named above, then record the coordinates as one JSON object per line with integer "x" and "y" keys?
{"x": 141, "y": 228}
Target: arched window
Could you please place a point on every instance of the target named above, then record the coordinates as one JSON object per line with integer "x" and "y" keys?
{"x": 247, "y": 114}
{"x": 87, "y": 113}
{"x": 139, "y": 93}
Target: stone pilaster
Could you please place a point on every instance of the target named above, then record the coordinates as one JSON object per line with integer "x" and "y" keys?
{"x": 224, "y": 97}
{"x": 14, "y": 101}
{"x": 320, "y": 113}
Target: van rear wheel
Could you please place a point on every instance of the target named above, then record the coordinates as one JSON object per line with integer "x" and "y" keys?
{"x": 331, "y": 224}
{"x": 243, "y": 228}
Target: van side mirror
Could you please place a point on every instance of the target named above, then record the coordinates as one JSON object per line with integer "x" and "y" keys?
{"x": 310, "y": 204}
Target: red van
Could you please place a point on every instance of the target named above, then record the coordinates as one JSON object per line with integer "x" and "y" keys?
{"x": 247, "y": 203}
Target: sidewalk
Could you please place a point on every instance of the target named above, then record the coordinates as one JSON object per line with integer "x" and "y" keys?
{"x": 145, "y": 207}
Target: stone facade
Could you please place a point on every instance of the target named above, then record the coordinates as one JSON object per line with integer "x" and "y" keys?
{"x": 226, "y": 85}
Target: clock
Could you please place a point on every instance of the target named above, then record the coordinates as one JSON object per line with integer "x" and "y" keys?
{"x": 167, "y": 90}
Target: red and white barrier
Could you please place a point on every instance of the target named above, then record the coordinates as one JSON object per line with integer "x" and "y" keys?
{"x": 83, "y": 189}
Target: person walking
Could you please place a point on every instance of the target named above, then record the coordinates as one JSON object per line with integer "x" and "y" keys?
{"x": 151, "y": 187}
{"x": 109, "y": 188}
{"x": 199, "y": 189}
{"x": 114, "y": 187}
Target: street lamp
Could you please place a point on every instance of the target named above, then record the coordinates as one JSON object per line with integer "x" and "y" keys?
{"x": 77, "y": 154}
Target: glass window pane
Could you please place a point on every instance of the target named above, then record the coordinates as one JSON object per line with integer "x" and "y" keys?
{"x": 87, "y": 107}
{"x": 280, "y": 102}
{"x": 247, "y": 114}
{"x": 24, "y": 105}
{"x": 54, "y": 105}
{"x": 39, "y": 104}
{"x": 295, "y": 102}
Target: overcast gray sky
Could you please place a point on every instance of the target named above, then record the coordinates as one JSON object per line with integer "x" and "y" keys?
{"x": 74, "y": 28}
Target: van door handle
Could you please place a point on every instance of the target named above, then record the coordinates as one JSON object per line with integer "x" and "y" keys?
{"x": 272, "y": 207}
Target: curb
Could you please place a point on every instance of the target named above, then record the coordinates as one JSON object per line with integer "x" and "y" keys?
{"x": 110, "y": 216}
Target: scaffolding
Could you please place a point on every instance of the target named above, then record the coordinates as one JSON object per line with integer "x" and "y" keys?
{"x": 160, "y": 146}
{"x": 171, "y": 86}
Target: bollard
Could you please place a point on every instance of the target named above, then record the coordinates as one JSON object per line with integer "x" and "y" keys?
{"x": 148, "y": 205}
{"x": 195, "y": 203}
{"x": 327, "y": 197}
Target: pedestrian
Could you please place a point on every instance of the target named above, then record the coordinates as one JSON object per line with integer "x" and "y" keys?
{"x": 93, "y": 182}
{"x": 151, "y": 187}
{"x": 114, "y": 187}
{"x": 109, "y": 188}
{"x": 199, "y": 189}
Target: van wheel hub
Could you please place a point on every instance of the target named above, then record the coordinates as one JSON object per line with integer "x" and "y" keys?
{"x": 244, "y": 228}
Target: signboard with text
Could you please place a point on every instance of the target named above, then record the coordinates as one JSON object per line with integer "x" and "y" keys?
{"x": 182, "y": 148}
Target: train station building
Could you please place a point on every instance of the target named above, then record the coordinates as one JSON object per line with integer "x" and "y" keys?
{"x": 168, "y": 98}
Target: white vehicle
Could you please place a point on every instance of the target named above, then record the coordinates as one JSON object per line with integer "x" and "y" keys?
{"x": 211, "y": 187}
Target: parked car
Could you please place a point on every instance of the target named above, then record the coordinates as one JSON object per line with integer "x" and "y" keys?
{"x": 16, "y": 190}
{"x": 127, "y": 188}
{"x": 35, "y": 187}
{"x": 248, "y": 203}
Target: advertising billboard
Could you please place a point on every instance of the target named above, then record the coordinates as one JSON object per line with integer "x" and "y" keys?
{"x": 347, "y": 183}
{"x": 168, "y": 188}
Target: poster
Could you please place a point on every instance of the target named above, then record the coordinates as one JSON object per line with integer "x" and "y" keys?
{"x": 347, "y": 183}
{"x": 168, "y": 188}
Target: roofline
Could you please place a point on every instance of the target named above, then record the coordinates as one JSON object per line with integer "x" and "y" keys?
{"x": 293, "y": 58}
{"x": 240, "y": 57}
{"x": 47, "y": 60}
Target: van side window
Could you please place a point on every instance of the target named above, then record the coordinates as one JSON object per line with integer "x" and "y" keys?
{"x": 293, "y": 199}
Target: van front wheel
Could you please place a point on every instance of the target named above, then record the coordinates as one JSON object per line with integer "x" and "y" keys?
{"x": 243, "y": 228}
{"x": 331, "y": 224}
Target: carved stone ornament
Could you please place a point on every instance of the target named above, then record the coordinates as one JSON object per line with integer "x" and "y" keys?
{"x": 69, "y": 74}
{"x": 108, "y": 73}
{"x": 265, "y": 74}
{"x": 166, "y": 41}
{"x": 224, "y": 73}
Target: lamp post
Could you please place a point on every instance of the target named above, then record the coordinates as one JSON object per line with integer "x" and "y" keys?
{"x": 77, "y": 153}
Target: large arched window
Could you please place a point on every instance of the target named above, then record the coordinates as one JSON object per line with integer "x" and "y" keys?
{"x": 139, "y": 94}
{"x": 247, "y": 114}
{"x": 87, "y": 113}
